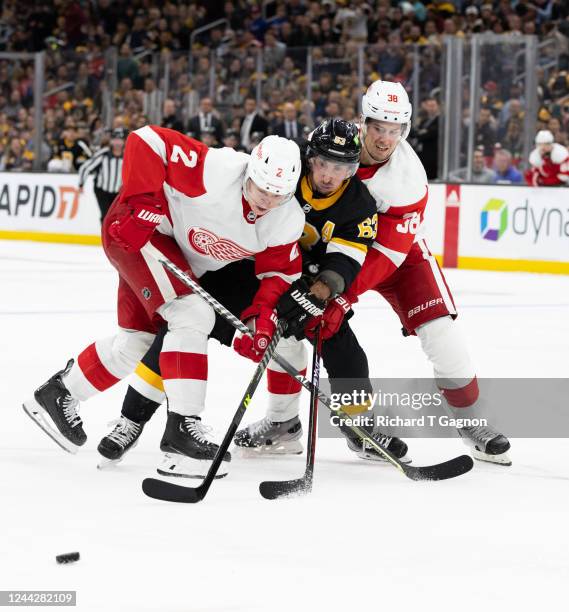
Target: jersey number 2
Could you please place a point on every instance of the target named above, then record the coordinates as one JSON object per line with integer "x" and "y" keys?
{"x": 178, "y": 154}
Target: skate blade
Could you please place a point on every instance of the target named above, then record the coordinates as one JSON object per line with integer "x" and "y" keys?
{"x": 39, "y": 415}
{"x": 369, "y": 456}
{"x": 291, "y": 447}
{"x": 180, "y": 466}
{"x": 502, "y": 459}
{"x": 108, "y": 464}
{"x": 105, "y": 462}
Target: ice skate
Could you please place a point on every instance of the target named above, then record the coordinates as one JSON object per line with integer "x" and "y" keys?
{"x": 266, "y": 437}
{"x": 188, "y": 449}
{"x": 121, "y": 439}
{"x": 364, "y": 450}
{"x": 55, "y": 411}
{"x": 486, "y": 444}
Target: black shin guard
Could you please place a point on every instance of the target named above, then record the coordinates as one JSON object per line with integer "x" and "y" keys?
{"x": 138, "y": 408}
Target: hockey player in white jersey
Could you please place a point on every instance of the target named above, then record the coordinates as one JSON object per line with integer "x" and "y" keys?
{"x": 400, "y": 266}
{"x": 202, "y": 209}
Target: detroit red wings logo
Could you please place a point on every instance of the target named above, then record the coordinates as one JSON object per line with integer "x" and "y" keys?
{"x": 209, "y": 244}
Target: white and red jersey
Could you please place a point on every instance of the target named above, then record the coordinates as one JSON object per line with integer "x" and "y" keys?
{"x": 400, "y": 189}
{"x": 205, "y": 212}
{"x": 549, "y": 170}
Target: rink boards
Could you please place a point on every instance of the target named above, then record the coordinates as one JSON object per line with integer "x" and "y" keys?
{"x": 485, "y": 227}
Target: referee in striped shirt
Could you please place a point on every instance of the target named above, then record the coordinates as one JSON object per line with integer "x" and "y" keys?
{"x": 106, "y": 165}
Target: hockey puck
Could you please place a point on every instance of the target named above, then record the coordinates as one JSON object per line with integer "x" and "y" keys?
{"x": 67, "y": 557}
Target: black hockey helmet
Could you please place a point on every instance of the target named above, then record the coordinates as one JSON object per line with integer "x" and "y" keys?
{"x": 337, "y": 140}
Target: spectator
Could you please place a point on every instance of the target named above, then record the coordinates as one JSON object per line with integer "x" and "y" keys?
{"x": 349, "y": 114}
{"x": 512, "y": 111}
{"x": 258, "y": 25}
{"x": 549, "y": 162}
{"x": 290, "y": 126}
{"x": 208, "y": 137}
{"x": 205, "y": 119}
{"x": 480, "y": 173}
{"x": 559, "y": 135}
{"x": 69, "y": 152}
{"x": 151, "y": 101}
{"x": 426, "y": 137}
{"x": 232, "y": 140}
{"x": 127, "y": 67}
{"x": 144, "y": 72}
{"x": 504, "y": 170}
{"x": 333, "y": 110}
{"x": 233, "y": 15}
{"x": 170, "y": 116}
{"x": 274, "y": 52}
{"x": 12, "y": 108}
{"x": 16, "y": 157}
{"x": 485, "y": 135}
{"x": 513, "y": 140}
{"x": 391, "y": 58}
{"x": 354, "y": 21}
{"x": 139, "y": 32}
{"x": 252, "y": 122}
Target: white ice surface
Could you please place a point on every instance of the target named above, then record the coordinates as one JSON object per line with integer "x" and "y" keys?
{"x": 366, "y": 538}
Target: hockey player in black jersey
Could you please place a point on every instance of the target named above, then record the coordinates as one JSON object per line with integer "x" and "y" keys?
{"x": 341, "y": 223}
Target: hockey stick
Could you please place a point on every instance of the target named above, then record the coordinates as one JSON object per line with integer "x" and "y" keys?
{"x": 272, "y": 489}
{"x": 440, "y": 471}
{"x": 167, "y": 491}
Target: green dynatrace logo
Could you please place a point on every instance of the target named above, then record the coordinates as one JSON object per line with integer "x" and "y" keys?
{"x": 494, "y": 219}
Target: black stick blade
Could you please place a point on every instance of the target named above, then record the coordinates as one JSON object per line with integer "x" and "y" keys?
{"x": 441, "y": 471}
{"x": 272, "y": 489}
{"x": 166, "y": 491}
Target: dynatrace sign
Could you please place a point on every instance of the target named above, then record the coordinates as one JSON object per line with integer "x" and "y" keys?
{"x": 514, "y": 223}
{"x": 46, "y": 203}
{"x": 540, "y": 223}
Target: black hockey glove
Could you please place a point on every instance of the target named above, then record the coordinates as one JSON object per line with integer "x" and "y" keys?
{"x": 297, "y": 306}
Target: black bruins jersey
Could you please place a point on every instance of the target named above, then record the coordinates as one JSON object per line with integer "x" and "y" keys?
{"x": 339, "y": 228}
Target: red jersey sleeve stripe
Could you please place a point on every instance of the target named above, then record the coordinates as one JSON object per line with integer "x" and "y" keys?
{"x": 153, "y": 140}
{"x": 277, "y": 267}
{"x": 143, "y": 169}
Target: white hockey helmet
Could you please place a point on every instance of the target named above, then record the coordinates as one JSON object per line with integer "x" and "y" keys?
{"x": 274, "y": 166}
{"x": 387, "y": 101}
{"x": 544, "y": 137}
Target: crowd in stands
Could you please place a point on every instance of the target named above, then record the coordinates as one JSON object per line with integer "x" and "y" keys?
{"x": 125, "y": 63}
